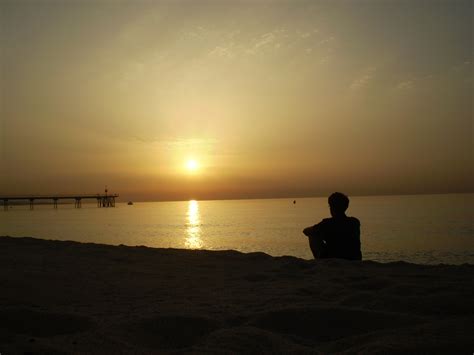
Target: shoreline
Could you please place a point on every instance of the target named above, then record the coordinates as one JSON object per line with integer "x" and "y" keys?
{"x": 67, "y": 296}
{"x": 367, "y": 256}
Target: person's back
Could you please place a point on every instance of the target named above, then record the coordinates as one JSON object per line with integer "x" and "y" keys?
{"x": 336, "y": 237}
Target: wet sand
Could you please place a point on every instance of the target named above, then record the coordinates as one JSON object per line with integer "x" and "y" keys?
{"x": 69, "y": 297}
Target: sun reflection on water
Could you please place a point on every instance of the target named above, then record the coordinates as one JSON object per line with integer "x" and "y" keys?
{"x": 193, "y": 226}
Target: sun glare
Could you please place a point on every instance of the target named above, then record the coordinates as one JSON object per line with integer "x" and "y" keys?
{"x": 192, "y": 165}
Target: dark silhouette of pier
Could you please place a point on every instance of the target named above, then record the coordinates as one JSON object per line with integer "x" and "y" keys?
{"x": 103, "y": 200}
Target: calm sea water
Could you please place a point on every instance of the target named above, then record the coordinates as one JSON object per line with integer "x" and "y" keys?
{"x": 419, "y": 228}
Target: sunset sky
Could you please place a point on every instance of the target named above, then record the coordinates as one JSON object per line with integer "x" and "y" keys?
{"x": 169, "y": 100}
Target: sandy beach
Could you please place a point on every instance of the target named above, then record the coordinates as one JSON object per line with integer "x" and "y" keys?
{"x": 69, "y": 297}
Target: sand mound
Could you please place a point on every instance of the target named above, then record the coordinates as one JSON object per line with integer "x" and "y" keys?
{"x": 247, "y": 340}
{"x": 442, "y": 337}
{"x": 42, "y": 324}
{"x": 170, "y": 331}
{"x": 331, "y": 323}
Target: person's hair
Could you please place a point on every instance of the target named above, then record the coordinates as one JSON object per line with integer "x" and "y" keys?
{"x": 338, "y": 202}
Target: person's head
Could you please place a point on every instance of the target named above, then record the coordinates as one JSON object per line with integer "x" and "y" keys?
{"x": 338, "y": 204}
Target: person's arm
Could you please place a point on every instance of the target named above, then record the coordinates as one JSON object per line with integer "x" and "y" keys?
{"x": 357, "y": 253}
{"x": 359, "y": 249}
{"x": 309, "y": 231}
{"x": 314, "y": 230}
{"x": 316, "y": 242}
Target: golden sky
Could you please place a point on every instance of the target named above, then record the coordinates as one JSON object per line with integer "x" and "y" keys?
{"x": 268, "y": 98}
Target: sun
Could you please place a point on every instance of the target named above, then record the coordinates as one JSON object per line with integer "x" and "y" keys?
{"x": 192, "y": 165}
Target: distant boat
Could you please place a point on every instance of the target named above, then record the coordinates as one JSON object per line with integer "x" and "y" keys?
{"x": 130, "y": 203}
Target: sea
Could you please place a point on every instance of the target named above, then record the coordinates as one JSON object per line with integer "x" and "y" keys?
{"x": 423, "y": 229}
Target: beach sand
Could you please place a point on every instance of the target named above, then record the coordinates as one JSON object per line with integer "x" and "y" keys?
{"x": 71, "y": 297}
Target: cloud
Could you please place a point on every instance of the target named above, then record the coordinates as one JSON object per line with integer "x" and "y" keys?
{"x": 223, "y": 52}
{"x": 326, "y": 41}
{"x": 235, "y": 43}
{"x": 265, "y": 39}
{"x": 189, "y": 144}
{"x": 363, "y": 80}
{"x": 198, "y": 32}
{"x": 405, "y": 85}
{"x": 305, "y": 34}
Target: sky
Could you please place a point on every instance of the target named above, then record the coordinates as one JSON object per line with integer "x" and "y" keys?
{"x": 175, "y": 100}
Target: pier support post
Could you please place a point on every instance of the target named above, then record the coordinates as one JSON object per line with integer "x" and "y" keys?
{"x": 102, "y": 200}
{"x": 77, "y": 202}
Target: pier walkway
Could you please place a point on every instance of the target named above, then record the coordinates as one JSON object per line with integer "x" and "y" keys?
{"x": 103, "y": 200}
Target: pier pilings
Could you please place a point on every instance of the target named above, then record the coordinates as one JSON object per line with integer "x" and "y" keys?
{"x": 102, "y": 200}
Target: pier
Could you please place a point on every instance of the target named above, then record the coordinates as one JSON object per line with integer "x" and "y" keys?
{"x": 103, "y": 200}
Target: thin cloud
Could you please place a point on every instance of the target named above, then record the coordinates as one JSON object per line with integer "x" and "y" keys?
{"x": 363, "y": 80}
{"x": 222, "y": 52}
{"x": 405, "y": 85}
{"x": 266, "y": 39}
{"x": 189, "y": 143}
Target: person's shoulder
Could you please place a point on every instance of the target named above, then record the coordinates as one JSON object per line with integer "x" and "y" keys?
{"x": 354, "y": 221}
{"x": 325, "y": 221}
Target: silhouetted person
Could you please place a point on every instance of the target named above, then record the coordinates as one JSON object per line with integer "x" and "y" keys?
{"x": 336, "y": 237}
